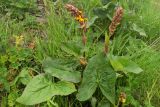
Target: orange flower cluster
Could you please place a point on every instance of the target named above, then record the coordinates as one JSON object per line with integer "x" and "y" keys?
{"x": 83, "y": 61}
{"x": 116, "y": 20}
{"x": 122, "y": 99}
{"x": 80, "y": 18}
{"x": 77, "y": 14}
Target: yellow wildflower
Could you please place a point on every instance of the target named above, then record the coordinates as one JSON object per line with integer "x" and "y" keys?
{"x": 122, "y": 97}
{"x": 19, "y": 40}
{"x": 123, "y": 100}
{"x": 79, "y": 18}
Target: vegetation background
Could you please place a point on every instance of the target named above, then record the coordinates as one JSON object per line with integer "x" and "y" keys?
{"x": 33, "y": 30}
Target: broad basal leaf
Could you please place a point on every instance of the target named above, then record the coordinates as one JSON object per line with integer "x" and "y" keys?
{"x": 57, "y": 70}
{"x": 40, "y": 89}
{"x": 88, "y": 86}
{"x": 104, "y": 11}
{"x": 104, "y": 103}
{"x": 121, "y": 63}
{"x": 24, "y": 77}
{"x": 107, "y": 81}
{"x": 98, "y": 73}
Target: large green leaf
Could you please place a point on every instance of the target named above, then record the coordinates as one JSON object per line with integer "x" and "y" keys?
{"x": 107, "y": 81}
{"x": 104, "y": 103}
{"x": 104, "y": 11}
{"x": 57, "y": 70}
{"x": 98, "y": 73}
{"x": 121, "y": 63}
{"x": 24, "y": 77}
{"x": 40, "y": 89}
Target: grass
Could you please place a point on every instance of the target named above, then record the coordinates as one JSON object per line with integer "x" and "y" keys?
{"x": 145, "y": 14}
{"x": 147, "y": 84}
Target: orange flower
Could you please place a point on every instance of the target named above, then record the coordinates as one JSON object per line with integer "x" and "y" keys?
{"x": 83, "y": 61}
{"x": 122, "y": 97}
{"x": 77, "y": 14}
{"x": 80, "y": 18}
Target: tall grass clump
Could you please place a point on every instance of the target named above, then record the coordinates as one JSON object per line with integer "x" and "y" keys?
{"x": 143, "y": 17}
{"x": 145, "y": 87}
{"x": 55, "y": 32}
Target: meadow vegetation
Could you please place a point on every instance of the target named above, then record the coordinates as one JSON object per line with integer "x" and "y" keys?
{"x": 79, "y": 53}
